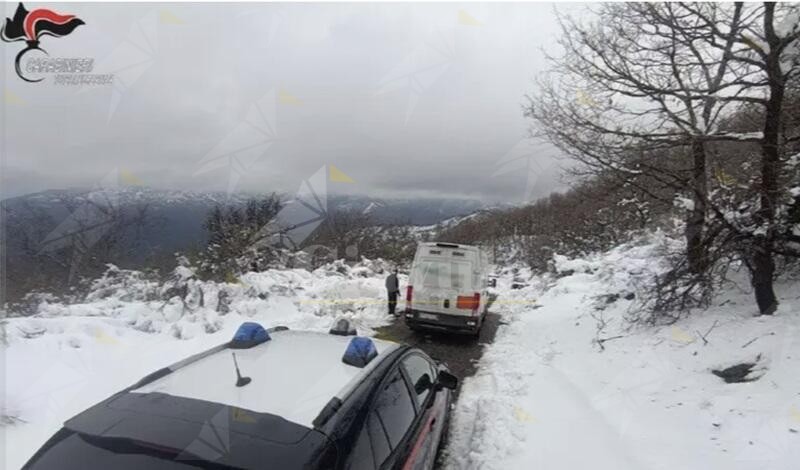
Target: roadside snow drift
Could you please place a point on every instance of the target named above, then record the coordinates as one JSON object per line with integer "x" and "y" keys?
{"x": 554, "y": 392}
{"x": 69, "y": 357}
{"x": 566, "y": 384}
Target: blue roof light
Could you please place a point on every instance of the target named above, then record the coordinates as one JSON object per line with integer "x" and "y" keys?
{"x": 359, "y": 352}
{"x": 248, "y": 335}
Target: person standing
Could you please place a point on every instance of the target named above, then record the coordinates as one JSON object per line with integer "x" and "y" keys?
{"x": 393, "y": 288}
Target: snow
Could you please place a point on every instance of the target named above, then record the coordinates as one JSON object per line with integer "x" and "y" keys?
{"x": 114, "y": 189}
{"x": 371, "y": 207}
{"x": 69, "y": 357}
{"x": 552, "y": 390}
{"x": 684, "y": 203}
{"x": 789, "y": 24}
{"x": 547, "y": 396}
{"x": 744, "y": 136}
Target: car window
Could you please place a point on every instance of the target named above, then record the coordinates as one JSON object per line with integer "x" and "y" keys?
{"x": 395, "y": 409}
{"x": 361, "y": 458}
{"x": 421, "y": 374}
{"x": 380, "y": 443}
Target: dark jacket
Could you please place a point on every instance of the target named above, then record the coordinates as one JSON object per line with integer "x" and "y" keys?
{"x": 392, "y": 284}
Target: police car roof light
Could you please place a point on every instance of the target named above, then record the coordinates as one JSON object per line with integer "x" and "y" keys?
{"x": 359, "y": 352}
{"x": 248, "y": 335}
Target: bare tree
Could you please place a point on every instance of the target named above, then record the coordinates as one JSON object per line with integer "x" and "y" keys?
{"x": 768, "y": 47}
{"x": 344, "y": 232}
{"x": 238, "y": 239}
{"x": 651, "y": 81}
{"x": 54, "y": 254}
{"x": 771, "y": 63}
{"x": 637, "y": 83}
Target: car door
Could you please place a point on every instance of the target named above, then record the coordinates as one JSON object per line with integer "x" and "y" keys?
{"x": 403, "y": 428}
{"x": 388, "y": 427}
{"x": 432, "y": 405}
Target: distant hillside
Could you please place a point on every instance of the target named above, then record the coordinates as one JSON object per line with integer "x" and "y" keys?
{"x": 175, "y": 218}
{"x": 406, "y": 211}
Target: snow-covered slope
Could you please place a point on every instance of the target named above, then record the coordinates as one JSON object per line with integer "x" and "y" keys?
{"x": 546, "y": 395}
{"x": 69, "y": 357}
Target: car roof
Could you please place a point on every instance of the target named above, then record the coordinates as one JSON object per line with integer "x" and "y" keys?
{"x": 294, "y": 375}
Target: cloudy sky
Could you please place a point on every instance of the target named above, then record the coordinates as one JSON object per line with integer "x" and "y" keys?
{"x": 407, "y": 100}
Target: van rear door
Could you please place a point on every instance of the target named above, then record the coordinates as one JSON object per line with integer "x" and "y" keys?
{"x": 443, "y": 285}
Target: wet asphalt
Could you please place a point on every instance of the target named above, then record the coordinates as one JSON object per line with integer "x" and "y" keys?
{"x": 460, "y": 353}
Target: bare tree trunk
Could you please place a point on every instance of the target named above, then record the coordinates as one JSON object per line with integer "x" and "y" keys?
{"x": 695, "y": 223}
{"x": 763, "y": 272}
{"x": 763, "y": 262}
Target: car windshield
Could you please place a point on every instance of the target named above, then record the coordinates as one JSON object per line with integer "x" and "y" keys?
{"x": 73, "y": 451}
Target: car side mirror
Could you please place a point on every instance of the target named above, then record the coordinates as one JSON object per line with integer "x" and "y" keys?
{"x": 423, "y": 384}
{"x": 446, "y": 380}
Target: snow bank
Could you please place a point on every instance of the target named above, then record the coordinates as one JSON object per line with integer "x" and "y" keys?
{"x": 68, "y": 357}
{"x": 547, "y": 396}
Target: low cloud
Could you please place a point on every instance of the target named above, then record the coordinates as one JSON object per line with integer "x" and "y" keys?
{"x": 354, "y": 86}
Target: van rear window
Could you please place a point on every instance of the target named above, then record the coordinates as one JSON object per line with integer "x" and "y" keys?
{"x": 441, "y": 274}
{"x": 458, "y": 253}
{"x": 435, "y": 252}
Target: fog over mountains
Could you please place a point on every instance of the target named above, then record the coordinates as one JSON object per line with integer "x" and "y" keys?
{"x": 174, "y": 219}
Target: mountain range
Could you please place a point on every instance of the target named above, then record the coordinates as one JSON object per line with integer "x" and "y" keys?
{"x": 175, "y": 218}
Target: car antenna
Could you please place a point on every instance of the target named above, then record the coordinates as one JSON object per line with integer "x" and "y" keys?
{"x": 240, "y": 381}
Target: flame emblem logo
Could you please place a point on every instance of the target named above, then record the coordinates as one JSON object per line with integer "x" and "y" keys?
{"x": 30, "y": 26}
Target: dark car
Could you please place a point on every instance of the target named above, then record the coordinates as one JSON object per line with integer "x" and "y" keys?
{"x": 267, "y": 399}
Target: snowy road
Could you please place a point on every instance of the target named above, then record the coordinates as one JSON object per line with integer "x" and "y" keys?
{"x": 461, "y": 353}
{"x": 536, "y": 391}
{"x": 562, "y": 425}
{"x": 545, "y": 396}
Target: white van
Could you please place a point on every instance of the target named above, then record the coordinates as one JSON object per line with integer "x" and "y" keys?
{"x": 447, "y": 287}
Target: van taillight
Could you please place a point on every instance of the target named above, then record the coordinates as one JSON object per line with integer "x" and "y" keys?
{"x": 409, "y": 294}
{"x": 469, "y": 302}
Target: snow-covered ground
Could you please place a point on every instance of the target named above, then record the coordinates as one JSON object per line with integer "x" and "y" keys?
{"x": 547, "y": 397}
{"x": 69, "y": 357}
